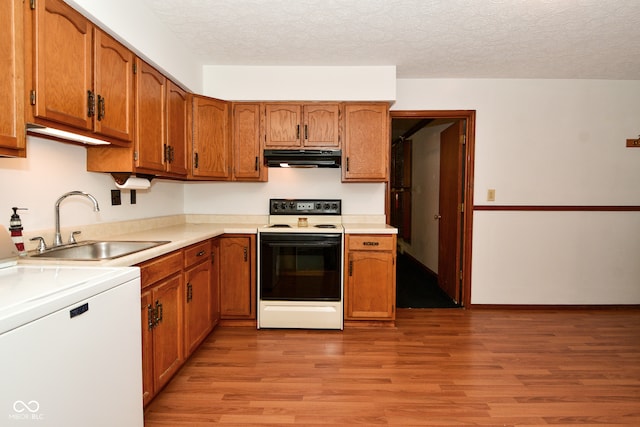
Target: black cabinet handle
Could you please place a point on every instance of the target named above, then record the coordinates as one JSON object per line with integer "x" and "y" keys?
{"x": 91, "y": 104}
{"x": 151, "y": 321}
{"x": 101, "y": 107}
{"x": 189, "y": 292}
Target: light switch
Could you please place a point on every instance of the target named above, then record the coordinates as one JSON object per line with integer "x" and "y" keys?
{"x": 491, "y": 195}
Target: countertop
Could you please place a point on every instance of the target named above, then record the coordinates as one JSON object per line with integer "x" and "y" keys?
{"x": 182, "y": 235}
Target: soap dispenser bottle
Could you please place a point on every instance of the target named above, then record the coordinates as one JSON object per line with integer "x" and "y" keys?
{"x": 15, "y": 227}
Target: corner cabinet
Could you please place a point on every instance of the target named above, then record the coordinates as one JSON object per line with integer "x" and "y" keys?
{"x": 162, "y": 110}
{"x": 162, "y": 130}
{"x": 366, "y": 145}
{"x": 370, "y": 277}
{"x": 12, "y": 131}
{"x": 82, "y": 78}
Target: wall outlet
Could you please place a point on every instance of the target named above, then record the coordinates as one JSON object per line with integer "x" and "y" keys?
{"x": 115, "y": 197}
{"x": 491, "y": 195}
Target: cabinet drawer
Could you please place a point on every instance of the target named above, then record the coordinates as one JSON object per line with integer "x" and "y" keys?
{"x": 196, "y": 253}
{"x": 163, "y": 266}
{"x": 371, "y": 242}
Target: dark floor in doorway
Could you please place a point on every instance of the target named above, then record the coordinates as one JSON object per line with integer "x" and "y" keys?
{"x": 415, "y": 288}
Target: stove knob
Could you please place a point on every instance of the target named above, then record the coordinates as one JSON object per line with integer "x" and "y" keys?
{"x": 334, "y": 206}
{"x": 318, "y": 206}
{"x": 326, "y": 206}
{"x": 291, "y": 205}
{"x": 283, "y": 205}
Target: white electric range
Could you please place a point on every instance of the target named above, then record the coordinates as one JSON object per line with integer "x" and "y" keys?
{"x": 300, "y": 265}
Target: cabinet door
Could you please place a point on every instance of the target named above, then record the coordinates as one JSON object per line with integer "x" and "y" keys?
{"x": 146, "y": 309}
{"x": 237, "y": 295}
{"x": 151, "y": 89}
{"x": 366, "y": 143}
{"x": 282, "y": 125}
{"x": 211, "y": 144}
{"x": 197, "y": 304}
{"x": 113, "y": 87}
{"x": 247, "y": 157}
{"x": 168, "y": 342}
{"x": 12, "y": 136}
{"x": 321, "y": 124}
{"x": 369, "y": 285}
{"x": 177, "y": 129}
{"x": 63, "y": 65}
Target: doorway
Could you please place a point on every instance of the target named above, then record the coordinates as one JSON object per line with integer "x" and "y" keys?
{"x": 430, "y": 199}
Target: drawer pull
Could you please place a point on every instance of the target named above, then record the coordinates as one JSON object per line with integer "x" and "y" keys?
{"x": 370, "y": 243}
{"x": 202, "y": 252}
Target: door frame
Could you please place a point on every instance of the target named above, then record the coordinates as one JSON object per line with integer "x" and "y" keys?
{"x": 468, "y": 175}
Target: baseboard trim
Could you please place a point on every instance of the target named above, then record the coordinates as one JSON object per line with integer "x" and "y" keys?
{"x": 554, "y": 307}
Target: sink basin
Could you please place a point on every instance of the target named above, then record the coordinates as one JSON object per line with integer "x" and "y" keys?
{"x": 97, "y": 250}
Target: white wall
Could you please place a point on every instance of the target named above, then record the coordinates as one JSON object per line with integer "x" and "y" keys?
{"x": 53, "y": 168}
{"x": 300, "y": 83}
{"x": 136, "y": 26}
{"x": 251, "y": 198}
{"x": 549, "y": 142}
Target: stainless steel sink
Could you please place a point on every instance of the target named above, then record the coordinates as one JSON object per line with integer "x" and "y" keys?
{"x": 92, "y": 250}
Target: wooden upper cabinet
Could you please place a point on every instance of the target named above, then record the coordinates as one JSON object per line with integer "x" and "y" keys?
{"x": 113, "y": 87}
{"x": 366, "y": 144}
{"x": 282, "y": 125}
{"x": 302, "y": 125}
{"x": 178, "y": 132}
{"x": 151, "y": 90}
{"x": 82, "y": 78}
{"x": 321, "y": 125}
{"x": 211, "y": 143}
{"x": 247, "y": 155}
{"x": 12, "y": 131}
{"x": 63, "y": 65}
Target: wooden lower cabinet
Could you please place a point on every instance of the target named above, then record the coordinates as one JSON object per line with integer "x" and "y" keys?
{"x": 181, "y": 301}
{"x": 215, "y": 281}
{"x": 162, "y": 320}
{"x": 370, "y": 277}
{"x": 237, "y": 277}
{"x": 198, "y": 298}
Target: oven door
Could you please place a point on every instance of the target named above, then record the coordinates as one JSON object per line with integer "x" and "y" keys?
{"x": 300, "y": 267}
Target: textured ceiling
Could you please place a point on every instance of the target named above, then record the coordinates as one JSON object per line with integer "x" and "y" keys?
{"x": 423, "y": 38}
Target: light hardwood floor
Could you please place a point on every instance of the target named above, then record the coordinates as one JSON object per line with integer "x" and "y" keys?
{"x": 437, "y": 367}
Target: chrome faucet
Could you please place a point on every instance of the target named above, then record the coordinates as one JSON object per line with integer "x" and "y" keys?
{"x": 57, "y": 240}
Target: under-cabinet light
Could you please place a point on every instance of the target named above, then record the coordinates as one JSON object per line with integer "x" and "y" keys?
{"x": 61, "y": 134}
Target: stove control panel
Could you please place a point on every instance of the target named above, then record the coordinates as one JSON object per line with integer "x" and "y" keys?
{"x": 305, "y": 207}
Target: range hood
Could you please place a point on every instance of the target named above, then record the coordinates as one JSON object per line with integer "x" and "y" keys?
{"x": 302, "y": 158}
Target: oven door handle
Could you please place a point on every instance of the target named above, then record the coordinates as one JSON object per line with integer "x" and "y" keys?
{"x": 315, "y": 244}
